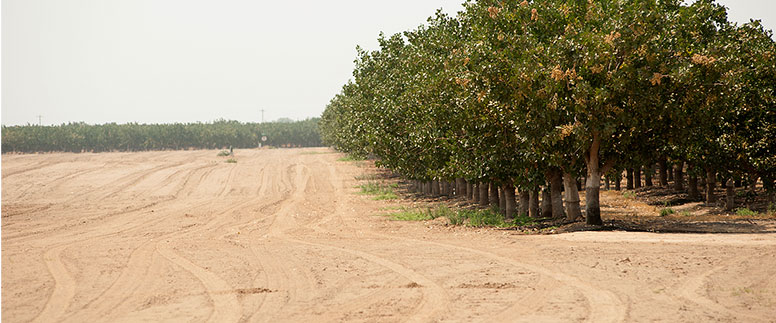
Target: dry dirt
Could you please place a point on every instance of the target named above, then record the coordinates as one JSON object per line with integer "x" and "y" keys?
{"x": 281, "y": 236}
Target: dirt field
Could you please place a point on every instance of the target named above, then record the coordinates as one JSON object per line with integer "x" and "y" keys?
{"x": 280, "y": 236}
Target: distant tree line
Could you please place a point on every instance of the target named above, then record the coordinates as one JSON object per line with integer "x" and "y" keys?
{"x": 536, "y": 95}
{"x": 82, "y": 137}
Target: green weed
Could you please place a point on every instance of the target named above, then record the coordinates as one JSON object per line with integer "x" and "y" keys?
{"x": 223, "y": 153}
{"x": 231, "y": 160}
{"x": 379, "y": 191}
{"x": 629, "y": 195}
{"x": 667, "y": 211}
{"x": 746, "y": 212}
{"x": 350, "y": 158}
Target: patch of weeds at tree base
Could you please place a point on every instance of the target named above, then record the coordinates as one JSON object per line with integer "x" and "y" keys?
{"x": 223, "y": 153}
{"x": 667, "y": 211}
{"x": 379, "y": 191}
{"x": 349, "y": 158}
{"x": 746, "y": 212}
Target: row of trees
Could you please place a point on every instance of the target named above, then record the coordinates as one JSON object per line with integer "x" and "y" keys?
{"x": 532, "y": 94}
{"x": 79, "y": 137}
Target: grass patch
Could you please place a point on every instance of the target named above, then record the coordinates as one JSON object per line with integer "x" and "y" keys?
{"x": 629, "y": 195}
{"x": 493, "y": 218}
{"x": 412, "y": 215}
{"x": 231, "y": 160}
{"x": 742, "y": 211}
{"x": 379, "y": 191}
{"x": 223, "y": 153}
{"x": 667, "y": 211}
{"x": 685, "y": 213}
{"x": 350, "y": 158}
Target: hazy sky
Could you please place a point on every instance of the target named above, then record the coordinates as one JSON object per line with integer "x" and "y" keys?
{"x": 162, "y": 61}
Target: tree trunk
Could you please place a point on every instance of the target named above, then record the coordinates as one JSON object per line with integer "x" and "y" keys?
{"x": 679, "y": 176}
{"x": 593, "y": 183}
{"x": 663, "y": 171}
{"x": 546, "y": 203}
{"x": 533, "y": 203}
{"x": 427, "y": 188}
{"x": 608, "y": 186}
{"x": 573, "y": 211}
{"x": 460, "y": 187}
{"x": 435, "y": 188}
{"x": 524, "y": 198}
{"x": 670, "y": 173}
{"x": 730, "y": 193}
{"x": 617, "y": 182}
{"x": 484, "y": 194}
{"x": 637, "y": 177}
{"x": 556, "y": 186}
{"x": 450, "y": 189}
{"x": 692, "y": 189}
{"x": 629, "y": 178}
{"x": 476, "y": 192}
{"x": 493, "y": 195}
{"x": 710, "y": 185}
{"x": 509, "y": 200}
{"x": 502, "y": 202}
{"x": 648, "y": 171}
{"x": 469, "y": 190}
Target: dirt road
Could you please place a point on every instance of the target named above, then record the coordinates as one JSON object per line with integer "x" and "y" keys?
{"x": 280, "y": 236}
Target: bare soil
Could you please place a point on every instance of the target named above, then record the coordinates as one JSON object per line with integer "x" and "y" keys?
{"x": 281, "y": 236}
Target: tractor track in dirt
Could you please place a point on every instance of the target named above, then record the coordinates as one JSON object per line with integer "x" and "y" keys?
{"x": 281, "y": 236}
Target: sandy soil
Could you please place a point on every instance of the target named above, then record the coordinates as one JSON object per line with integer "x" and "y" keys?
{"x": 280, "y": 236}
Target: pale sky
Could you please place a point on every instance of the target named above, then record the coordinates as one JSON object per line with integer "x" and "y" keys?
{"x": 164, "y": 61}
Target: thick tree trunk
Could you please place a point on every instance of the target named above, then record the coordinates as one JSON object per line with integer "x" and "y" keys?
{"x": 637, "y": 177}
{"x": 460, "y": 187}
{"x": 493, "y": 198}
{"x": 629, "y": 178}
{"x": 711, "y": 183}
{"x": 509, "y": 200}
{"x": 469, "y": 190}
{"x": 533, "y": 203}
{"x": 450, "y": 189}
{"x": 679, "y": 176}
{"x": 618, "y": 182}
{"x": 524, "y": 198}
{"x": 573, "y": 211}
{"x": 593, "y": 183}
{"x": 648, "y": 171}
{"x": 435, "y": 188}
{"x": 427, "y": 188}
{"x": 502, "y": 202}
{"x": 607, "y": 186}
{"x": 484, "y": 194}
{"x": 730, "y": 193}
{"x": 663, "y": 171}
{"x": 442, "y": 188}
{"x": 692, "y": 189}
{"x": 476, "y": 192}
{"x": 556, "y": 187}
{"x": 546, "y": 203}
{"x": 670, "y": 172}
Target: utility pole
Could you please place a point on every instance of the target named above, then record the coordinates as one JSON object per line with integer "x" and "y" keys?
{"x": 39, "y": 120}
{"x": 262, "y": 115}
